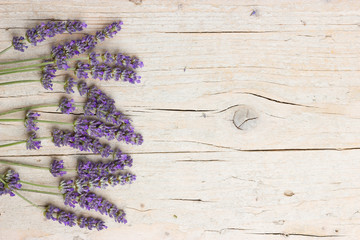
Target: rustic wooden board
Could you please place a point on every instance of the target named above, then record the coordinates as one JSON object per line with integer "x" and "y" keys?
{"x": 250, "y": 121}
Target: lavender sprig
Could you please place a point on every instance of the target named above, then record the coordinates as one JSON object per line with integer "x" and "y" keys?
{"x": 81, "y": 142}
{"x": 97, "y": 128}
{"x": 91, "y": 201}
{"x": 76, "y": 47}
{"x": 69, "y": 85}
{"x": 70, "y": 219}
{"x": 105, "y": 72}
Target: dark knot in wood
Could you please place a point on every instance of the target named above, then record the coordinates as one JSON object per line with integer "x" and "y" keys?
{"x": 245, "y": 118}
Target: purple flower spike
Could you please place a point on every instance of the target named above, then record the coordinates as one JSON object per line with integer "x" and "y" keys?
{"x": 11, "y": 178}
{"x": 29, "y": 121}
{"x": 127, "y": 61}
{"x": 72, "y": 48}
{"x": 67, "y": 106}
{"x": 69, "y": 84}
{"x": 32, "y": 143}
{"x": 48, "y": 74}
{"x": 18, "y": 44}
{"x": 91, "y": 223}
{"x": 83, "y": 89}
{"x": 91, "y": 201}
{"x": 93, "y": 58}
{"x": 56, "y": 168}
{"x": 56, "y": 214}
{"x": 81, "y": 70}
{"x": 81, "y": 142}
{"x": 50, "y": 29}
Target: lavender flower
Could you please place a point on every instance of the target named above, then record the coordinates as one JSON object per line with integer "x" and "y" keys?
{"x": 91, "y": 223}
{"x": 93, "y": 58}
{"x": 127, "y": 61}
{"x": 97, "y": 128}
{"x": 72, "y": 48}
{"x": 112, "y": 180}
{"x": 100, "y": 105}
{"x": 48, "y": 74}
{"x": 66, "y": 106}
{"x": 18, "y": 44}
{"x": 69, "y": 84}
{"x": 105, "y": 72}
{"x": 50, "y": 29}
{"x": 81, "y": 142}
{"x": 81, "y": 70}
{"x": 29, "y": 121}
{"x": 46, "y": 30}
{"x": 11, "y": 179}
{"x": 32, "y": 143}
{"x": 90, "y": 170}
{"x": 56, "y": 168}
{"x": 83, "y": 89}
{"x": 56, "y": 214}
{"x": 91, "y": 201}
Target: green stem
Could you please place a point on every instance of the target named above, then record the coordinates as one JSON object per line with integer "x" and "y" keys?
{"x": 19, "y": 81}
{"x": 6, "y": 49}
{"x": 22, "y": 165}
{"x": 39, "y": 64}
{"x": 19, "y": 71}
{"x": 32, "y": 166}
{"x": 40, "y": 121}
{"x": 20, "y": 142}
{"x": 18, "y": 194}
{"x": 37, "y": 191}
{"x": 25, "y": 60}
{"x": 37, "y": 185}
{"x": 28, "y": 108}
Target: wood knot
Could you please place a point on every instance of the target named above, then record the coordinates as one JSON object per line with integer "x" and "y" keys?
{"x": 245, "y": 118}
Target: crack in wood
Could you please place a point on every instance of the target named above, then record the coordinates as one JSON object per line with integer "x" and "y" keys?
{"x": 297, "y": 234}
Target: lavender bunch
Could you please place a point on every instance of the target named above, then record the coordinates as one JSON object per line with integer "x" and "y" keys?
{"x": 10, "y": 182}
{"x": 46, "y": 30}
{"x": 97, "y": 128}
{"x": 68, "y": 50}
{"x": 70, "y": 219}
{"x": 81, "y": 142}
{"x": 91, "y": 201}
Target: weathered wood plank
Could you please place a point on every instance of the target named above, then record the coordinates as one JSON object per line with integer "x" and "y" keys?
{"x": 250, "y": 121}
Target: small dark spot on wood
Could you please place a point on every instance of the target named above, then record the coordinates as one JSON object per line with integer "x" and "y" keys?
{"x": 254, "y": 13}
{"x": 184, "y": 69}
{"x": 142, "y": 205}
{"x": 204, "y": 115}
{"x": 7, "y": 29}
{"x": 38, "y": 160}
{"x": 289, "y": 193}
{"x": 174, "y": 216}
{"x": 245, "y": 118}
{"x": 137, "y": 2}
{"x": 167, "y": 234}
{"x": 279, "y": 222}
{"x": 336, "y": 230}
{"x": 303, "y": 22}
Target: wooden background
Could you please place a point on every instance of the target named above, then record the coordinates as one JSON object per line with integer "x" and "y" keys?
{"x": 250, "y": 121}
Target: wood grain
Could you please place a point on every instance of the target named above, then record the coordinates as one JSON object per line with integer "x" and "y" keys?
{"x": 250, "y": 121}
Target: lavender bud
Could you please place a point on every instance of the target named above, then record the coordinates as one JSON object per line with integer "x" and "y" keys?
{"x": 56, "y": 168}
{"x": 29, "y": 121}
{"x": 32, "y": 143}
{"x": 66, "y": 106}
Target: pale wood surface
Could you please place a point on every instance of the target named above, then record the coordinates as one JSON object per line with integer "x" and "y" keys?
{"x": 290, "y": 172}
